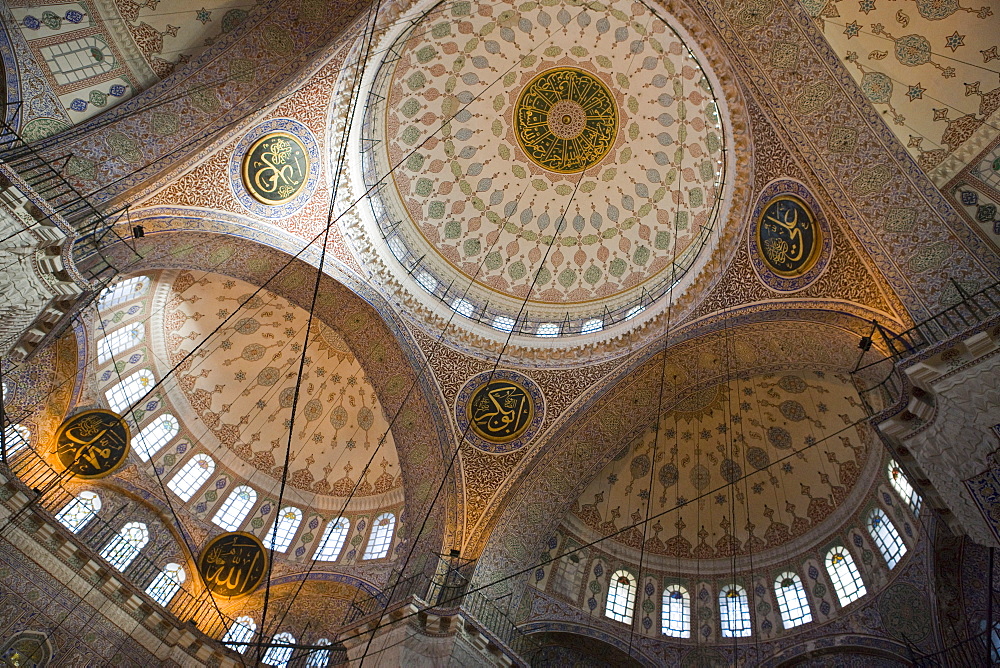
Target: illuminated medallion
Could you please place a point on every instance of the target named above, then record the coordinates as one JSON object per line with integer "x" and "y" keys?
{"x": 566, "y": 120}
{"x": 275, "y": 168}
{"x": 93, "y": 444}
{"x": 499, "y": 412}
{"x": 788, "y": 238}
{"x": 233, "y": 564}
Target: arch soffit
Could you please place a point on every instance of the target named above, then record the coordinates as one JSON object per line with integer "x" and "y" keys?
{"x": 616, "y": 411}
{"x": 377, "y": 337}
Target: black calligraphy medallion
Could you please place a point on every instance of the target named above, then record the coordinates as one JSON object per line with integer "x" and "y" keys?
{"x": 93, "y": 444}
{"x": 500, "y": 411}
{"x": 566, "y": 120}
{"x": 788, "y": 238}
{"x": 233, "y": 564}
{"x": 275, "y": 168}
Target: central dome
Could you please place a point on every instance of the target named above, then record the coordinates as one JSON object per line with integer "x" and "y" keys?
{"x": 551, "y": 168}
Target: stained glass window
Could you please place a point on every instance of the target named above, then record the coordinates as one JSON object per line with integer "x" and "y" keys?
{"x": 280, "y": 652}
{"x": 124, "y": 547}
{"x": 381, "y": 537}
{"x": 123, "y": 291}
{"x": 155, "y": 435}
{"x": 17, "y": 437}
{"x": 333, "y": 540}
{"x": 280, "y": 535}
{"x": 734, "y": 612}
{"x": 119, "y": 341}
{"x": 240, "y": 632}
{"x": 902, "y": 485}
{"x": 676, "y": 620}
{"x": 192, "y": 476}
{"x": 792, "y": 600}
{"x": 235, "y": 508}
{"x": 884, "y": 533}
{"x": 845, "y": 576}
{"x": 124, "y": 394}
{"x": 77, "y": 513}
{"x": 319, "y": 658}
{"x": 166, "y": 584}
{"x": 621, "y": 597}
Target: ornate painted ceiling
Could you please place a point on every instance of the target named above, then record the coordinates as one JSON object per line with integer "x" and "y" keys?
{"x": 568, "y": 155}
{"x": 930, "y": 67}
{"x": 126, "y": 45}
{"x": 235, "y": 392}
{"x": 734, "y": 470}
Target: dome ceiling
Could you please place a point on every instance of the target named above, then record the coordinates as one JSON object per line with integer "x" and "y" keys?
{"x": 561, "y": 154}
{"x": 236, "y": 391}
{"x": 736, "y": 461}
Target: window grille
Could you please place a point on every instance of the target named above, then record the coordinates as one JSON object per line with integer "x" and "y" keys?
{"x": 166, "y": 584}
{"x": 621, "y": 597}
{"x": 902, "y": 485}
{"x": 235, "y": 508}
{"x": 381, "y": 536}
{"x": 77, "y": 513}
{"x": 123, "y": 291}
{"x": 124, "y": 547}
{"x": 192, "y": 476}
{"x": 676, "y": 621}
{"x": 734, "y": 612}
{"x": 280, "y": 652}
{"x": 119, "y": 341}
{"x": 280, "y": 535}
{"x": 844, "y": 574}
{"x": 124, "y": 394}
{"x": 884, "y": 533}
{"x": 333, "y": 539}
{"x": 155, "y": 435}
{"x": 792, "y": 600}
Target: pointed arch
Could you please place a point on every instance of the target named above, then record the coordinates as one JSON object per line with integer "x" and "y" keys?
{"x": 621, "y": 597}
{"x": 192, "y": 476}
{"x": 124, "y": 546}
{"x": 792, "y": 600}
{"x": 676, "y": 615}
{"x": 734, "y": 612}
{"x": 845, "y": 576}
{"x": 888, "y": 540}
{"x": 235, "y": 508}
{"x": 79, "y": 511}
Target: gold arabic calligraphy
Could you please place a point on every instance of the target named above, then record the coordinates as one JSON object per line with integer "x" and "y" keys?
{"x": 92, "y": 444}
{"x": 275, "y": 168}
{"x": 500, "y": 411}
{"x": 233, "y": 564}
{"x": 566, "y": 120}
{"x": 787, "y": 237}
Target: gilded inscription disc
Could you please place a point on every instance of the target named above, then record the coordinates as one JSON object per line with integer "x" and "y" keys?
{"x": 233, "y": 564}
{"x": 93, "y": 444}
{"x": 275, "y": 168}
{"x": 500, "y": 411}
{"x": 788, "y": 238}
{"x": 566, "y": 120}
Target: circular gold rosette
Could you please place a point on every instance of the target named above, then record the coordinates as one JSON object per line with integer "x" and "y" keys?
{"x": 566, "y": 120}
{"x": 500, "y": 411}
{"x": 275, "y": 168}
{"x": 93, "y": 444}
{"x": 788, "y": 238}
{"x": 233, "y": 564}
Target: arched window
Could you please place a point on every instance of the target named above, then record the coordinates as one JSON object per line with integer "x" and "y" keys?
{"x": 235, "y": 508}
{"x": 792, "y": 600}
{"x": 333, "y": 539}
{"x": 79, "y": 59}
{"x": 123, "y": 291}
{"x": 16, "y": 437}
{"x": 845, "y": 576}
{"x": 165, "y": 585}
{"x": 676, "y": 621}
{"x": 319, "y": 658}
{"x": 124, "y": 394}
{"x": 280, "y": 651}
{"x": 83, "y": 508}
{"x": 592, "y": 325}
{"x": 734, "y": 612}
{"x": 280, "y": 535}
{"x": 902, "y": 485}
{"x": 621, "y": 597}
{"x": 240, "y": 632}
{"x": 381, "y": 536}
{"x": 547, "y": 329}
{"x": 125, "y": 546}
{"x": 155, "y": 435}
{"x": 884, "y": 533}
{"x": 192, "y": 476}
{"x": 119, "y": 341}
